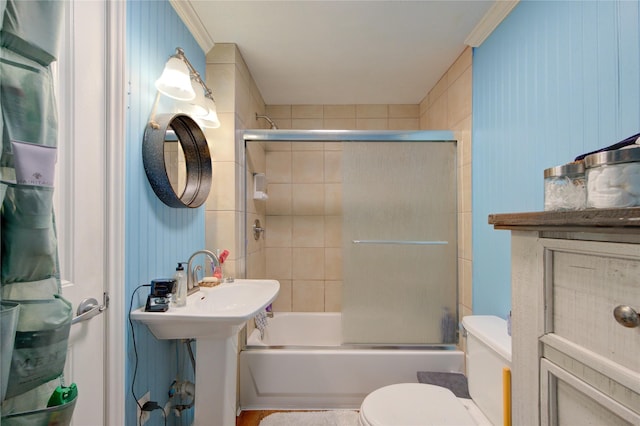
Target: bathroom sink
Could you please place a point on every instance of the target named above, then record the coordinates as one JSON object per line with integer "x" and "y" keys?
{"x": 212, "y": 312}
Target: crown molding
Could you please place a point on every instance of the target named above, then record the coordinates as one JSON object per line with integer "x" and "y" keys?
{"x": 187, "y": 13}
{"x": 490, "y": 21}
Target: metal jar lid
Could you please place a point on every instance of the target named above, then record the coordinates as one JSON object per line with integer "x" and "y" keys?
{"x": 612, "y": 157}
{"x": 570, "y": 169}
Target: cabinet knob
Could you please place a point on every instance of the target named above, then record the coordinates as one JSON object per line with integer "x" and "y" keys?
{"x": 626, "y": 316}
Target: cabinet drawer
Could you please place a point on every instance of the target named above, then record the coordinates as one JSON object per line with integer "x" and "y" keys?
{"x": 584, "y": 282}
{"x": 567, "y": 400}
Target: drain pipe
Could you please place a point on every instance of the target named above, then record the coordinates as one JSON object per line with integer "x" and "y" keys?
{"x": 183, "y": 389}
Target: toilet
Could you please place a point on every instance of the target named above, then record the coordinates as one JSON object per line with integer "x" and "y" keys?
{"x": 488, "y": 352}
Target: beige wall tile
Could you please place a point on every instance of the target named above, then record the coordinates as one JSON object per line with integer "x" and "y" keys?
{"x": 372, "y": 111}
{"x": 222, "y": 197}
{"x": 308, "y": 263}
{"x": 280, "y": 199}
{"x": 404, "y": 111}
{"x": 278, "y": 167}
{"x": 459, "y": 99}
{"x": 465, "y": 189}
{"x": 307, "y": 111}
{"x": 308, "y": 167}
{"x": 282, "y": 123}
{"x": 339, "y": 111}
{"x": 308, "y": 231}
{"x": 460, "y": 65}
{"x": 278, "y": 111}
{"x": 307, "y": 146}
{"x": 279, "y": 263}
{"x": 283, "y": 302}
{"x": 333, "y": 166}
{"x": 404, "y": 124}
{"x": 307, "y": 123}
{"x": 333, "y": 231}
{"x": 438, "y": 90}
{"x": 256, "y": 265}
{"x": 278, "y": 232}
{"x": 424, "y": 105}
{"x": 438, "y": 114}
{"x": 221, "y": 140}
{"x": 220, "y": 230}
{"x": 333, "y": 263}
{"x": 339, "y": 123}
{"x": 277, "y": 146}
{"x": 308, "y": 199}
{"x": 308, "y": 296}
{"x": 424, "y": 121}
{"x": 221, "y": 80}
{"x": 467, "y": 293}
{"x": 372, "y": 124}
{"x": 333, "y": 199}
{"x": 333, "y": 296}
{"x": 333, "y": 146}
{"x": 468, "y": 251}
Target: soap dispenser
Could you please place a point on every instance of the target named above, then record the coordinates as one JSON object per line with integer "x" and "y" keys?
{"x": 181, "y": 286}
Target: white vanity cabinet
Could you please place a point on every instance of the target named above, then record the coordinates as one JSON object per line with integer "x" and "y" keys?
{"x": 573, "y": 363}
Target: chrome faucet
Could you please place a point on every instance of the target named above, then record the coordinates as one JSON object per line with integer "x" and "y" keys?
{"x": 192, "y": 274}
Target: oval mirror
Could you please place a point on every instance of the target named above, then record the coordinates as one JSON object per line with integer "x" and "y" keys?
{"x": 177, "y": 160}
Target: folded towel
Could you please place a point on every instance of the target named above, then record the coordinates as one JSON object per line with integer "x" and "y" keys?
{"x": 261, "y": 322}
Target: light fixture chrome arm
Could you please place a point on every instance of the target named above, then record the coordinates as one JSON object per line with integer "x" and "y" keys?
{"x": 195, "y": 74}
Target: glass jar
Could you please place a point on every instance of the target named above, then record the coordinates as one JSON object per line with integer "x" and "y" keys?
{"x": 565, "y": 188}
{"x": 613, "y": 178}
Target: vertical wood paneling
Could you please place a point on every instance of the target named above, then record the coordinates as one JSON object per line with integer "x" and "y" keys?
{"x": 554, "y": 80}
{"x": 157, "y": 236}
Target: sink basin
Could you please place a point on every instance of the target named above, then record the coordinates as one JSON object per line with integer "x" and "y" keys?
{"x": 215, "y": 312}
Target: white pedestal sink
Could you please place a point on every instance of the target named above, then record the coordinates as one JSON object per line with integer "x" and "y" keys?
{"x": 213, "y": 316}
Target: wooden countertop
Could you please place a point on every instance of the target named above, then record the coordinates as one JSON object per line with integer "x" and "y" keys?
{"x": 596, "y": 219}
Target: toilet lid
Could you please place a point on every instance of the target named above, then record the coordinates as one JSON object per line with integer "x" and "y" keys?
{"x": 409, "y": 404}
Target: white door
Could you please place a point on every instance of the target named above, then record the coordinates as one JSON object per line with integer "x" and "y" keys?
{"x": 84, "y": 213}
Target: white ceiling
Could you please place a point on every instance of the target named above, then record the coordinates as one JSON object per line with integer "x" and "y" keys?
{"x": 343, "y": 52}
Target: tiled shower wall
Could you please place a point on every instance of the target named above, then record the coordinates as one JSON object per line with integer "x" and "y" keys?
{"x": 303, "y": 241}
{"x": 300, "y": 246}
{"x": 448, "y": 106}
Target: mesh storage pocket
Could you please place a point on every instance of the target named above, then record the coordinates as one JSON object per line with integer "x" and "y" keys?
{"x": 40, "y": 347}
{"x": 59, "y": 415}
{"x": 27, "y": 103}
{"x": 28, "y": 235}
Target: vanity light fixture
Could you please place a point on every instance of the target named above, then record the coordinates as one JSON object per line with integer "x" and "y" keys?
{"x": 181, "y": 81}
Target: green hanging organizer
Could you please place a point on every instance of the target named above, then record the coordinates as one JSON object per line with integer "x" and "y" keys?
{"x": 36, "y": 319}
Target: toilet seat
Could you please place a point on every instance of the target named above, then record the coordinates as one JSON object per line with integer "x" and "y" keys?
{"x": 410, "y": 404}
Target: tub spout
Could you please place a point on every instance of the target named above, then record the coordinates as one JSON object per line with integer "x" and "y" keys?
{"x": 192, "y": 274}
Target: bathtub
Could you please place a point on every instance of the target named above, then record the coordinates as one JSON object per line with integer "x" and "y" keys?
{"x": 301, "y": 364}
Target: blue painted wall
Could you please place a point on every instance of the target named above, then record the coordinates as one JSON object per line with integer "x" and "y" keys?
{"x": 554, "y": 80}
{"x": 157, "y": 236}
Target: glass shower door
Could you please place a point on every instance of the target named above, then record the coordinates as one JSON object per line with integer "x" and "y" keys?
{"x": 400, "y": 243}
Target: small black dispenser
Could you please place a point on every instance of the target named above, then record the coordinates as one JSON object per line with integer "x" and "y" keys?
{"x": 160, "y": 296}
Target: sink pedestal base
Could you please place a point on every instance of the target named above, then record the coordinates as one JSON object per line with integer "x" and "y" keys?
{"x": 216, "y": 369}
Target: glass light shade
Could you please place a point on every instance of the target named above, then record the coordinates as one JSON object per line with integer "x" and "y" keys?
{"x": 175, "y": 81}
{"x": 211, "y": 119}
{"x": 197, "y": 107}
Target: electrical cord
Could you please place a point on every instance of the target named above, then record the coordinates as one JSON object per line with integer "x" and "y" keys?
{"x": 135, "y": 351}
{"x": 152, "y": 406}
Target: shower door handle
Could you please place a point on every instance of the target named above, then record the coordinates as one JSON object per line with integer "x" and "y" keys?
{"x": 401, "y": 242}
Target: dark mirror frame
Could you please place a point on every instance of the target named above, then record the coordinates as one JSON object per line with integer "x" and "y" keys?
{"x": 196, "y": 154}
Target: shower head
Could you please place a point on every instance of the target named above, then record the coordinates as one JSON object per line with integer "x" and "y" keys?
{"x": 273, "y": 125}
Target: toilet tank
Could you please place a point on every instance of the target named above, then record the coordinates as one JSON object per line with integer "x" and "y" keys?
{"x": 488, "y": 351}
